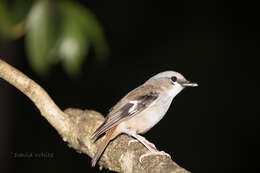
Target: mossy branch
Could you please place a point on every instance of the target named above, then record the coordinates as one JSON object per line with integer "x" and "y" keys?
{"x": 76, "y": 126}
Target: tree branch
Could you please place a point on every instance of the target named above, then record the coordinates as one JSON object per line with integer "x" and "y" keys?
{"x": 76, "y": 126}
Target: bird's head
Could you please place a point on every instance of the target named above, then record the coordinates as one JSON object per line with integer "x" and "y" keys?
{"x": 172, "y": 81}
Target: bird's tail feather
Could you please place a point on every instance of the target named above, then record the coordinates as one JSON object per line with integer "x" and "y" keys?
{"x": 103, "y": 146}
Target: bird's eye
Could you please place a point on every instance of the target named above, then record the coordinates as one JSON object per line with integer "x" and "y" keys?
{"x": 174, "y": 78}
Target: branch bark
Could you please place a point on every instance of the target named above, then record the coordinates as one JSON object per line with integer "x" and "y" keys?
{"x": 76, "y": 126}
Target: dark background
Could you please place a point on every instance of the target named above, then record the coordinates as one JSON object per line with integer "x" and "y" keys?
{"x": 211, "y": 128}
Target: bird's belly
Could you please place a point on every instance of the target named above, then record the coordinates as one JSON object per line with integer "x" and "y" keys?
{"x": 144, "y": 121}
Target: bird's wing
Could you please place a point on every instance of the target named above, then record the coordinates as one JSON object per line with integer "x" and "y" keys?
{"x": 133, "y": 103}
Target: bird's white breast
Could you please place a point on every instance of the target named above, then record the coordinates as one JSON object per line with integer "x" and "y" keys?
{"x": 144, "y": 121}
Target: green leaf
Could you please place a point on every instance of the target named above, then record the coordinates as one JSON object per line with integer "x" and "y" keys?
{"x": 21, "y": 8}
{"x": 74, "y": 44}
{"x": 72, "y": 50}
{"x": 62, "y": 31}
{"x": 5, "y": 21}
{"x": 41, "y": 38}
{"x": 12, "y": 18}
{"x": 88, "y": 26}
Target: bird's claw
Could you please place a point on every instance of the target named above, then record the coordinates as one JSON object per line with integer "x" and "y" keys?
{"x": 153, "y": 153}
{"x": 151, "y": 144}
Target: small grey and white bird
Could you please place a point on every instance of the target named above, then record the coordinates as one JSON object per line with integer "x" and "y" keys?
{"x": 141, "y": 109}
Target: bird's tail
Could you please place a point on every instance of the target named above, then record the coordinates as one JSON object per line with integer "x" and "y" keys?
{"x": 103, "y": 146}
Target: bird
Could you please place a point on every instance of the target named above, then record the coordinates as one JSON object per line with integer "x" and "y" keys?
{"x": 141, "y": 109}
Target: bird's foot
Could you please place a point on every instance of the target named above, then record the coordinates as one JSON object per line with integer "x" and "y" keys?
{"x": 150, "y": 153}
{"x": 149, "y": 143}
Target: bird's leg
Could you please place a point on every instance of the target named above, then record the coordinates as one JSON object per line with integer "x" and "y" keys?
{"x": 148, "y": 145}
{"x": 143, "y": 139}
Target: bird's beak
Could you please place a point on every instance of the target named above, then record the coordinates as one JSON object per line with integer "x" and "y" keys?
{"x": 189, "y": 84}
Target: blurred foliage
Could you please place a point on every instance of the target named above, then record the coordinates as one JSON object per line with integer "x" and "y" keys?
{"x": 55, "y": 32}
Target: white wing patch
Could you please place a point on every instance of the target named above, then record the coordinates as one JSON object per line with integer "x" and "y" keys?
{"x": 133, "y": 108}
{"x": 125, "y": 111}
